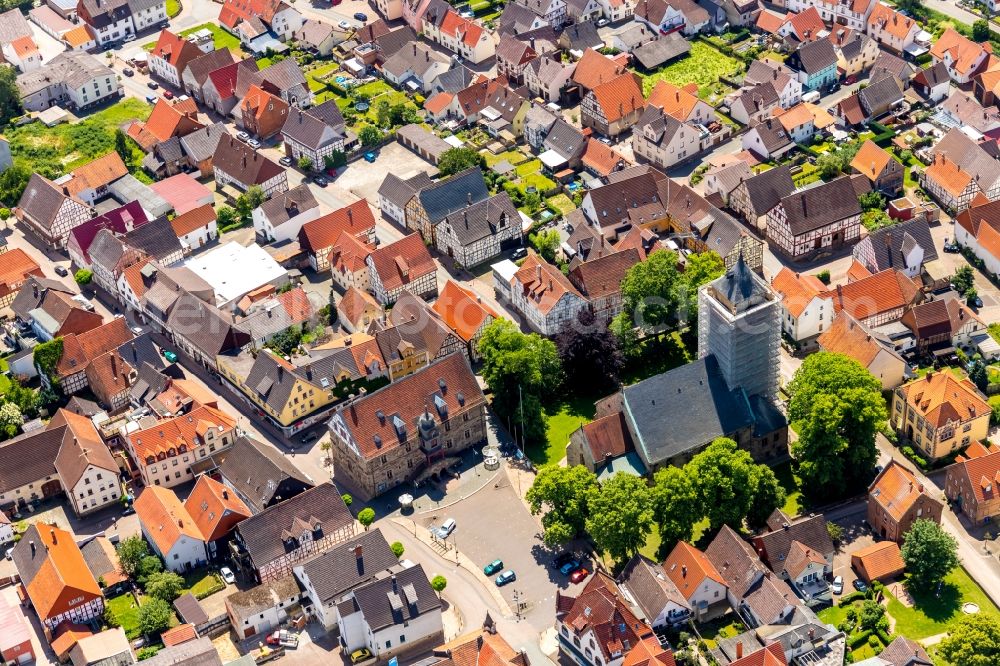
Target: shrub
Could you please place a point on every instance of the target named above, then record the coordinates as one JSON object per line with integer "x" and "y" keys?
{"x": 849, "y": 599}
{"x": 83, "y": 276}
{"x": 858, "y": 639}
{"x": 823, "y": 276}
{"x": 147, "y": 652}
{"x": 873, "y": 640}
{"x": 397, "y": 549}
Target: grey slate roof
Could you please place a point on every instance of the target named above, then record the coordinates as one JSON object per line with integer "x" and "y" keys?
{"x": 26, "y": 299}
{"x": 340, "y": 570}
{"x": 199, "y": 652}
{"x": 398, "y": 192}
{"x": 455, "y": 79}
{"x": 189, "y": 610}
{"x": 257, "y": 471}
{"x": 822, "y": 205}
{"x": 452, "y": 194}
{"x": 417, "y": 57}
{"x": 13, "y": 25}
{"x": 42, "y": 199}
{"x": 149, "y": 383}
{"x": 895, "y": 65}
{"x": 816, "y": 56}
{"x": 661, "y": 125}
{"x": 739, "y": 288}
{"x": 565, "y": 139}
{"x": 767, "y": 188}
{"x": 75, "y": 69}
{"x": 261, "y": 534}
{"x": 650, "y": 587}
{"x": 205, "y": 326}
{"x": 243, "y": 163}
{"x": 155, "y": 238}
{"x": 483, "y": 219}
{"x": 285, "y": 205}
{"x": 887, "y": 243}
{"x": 97, "y": 559}
{"x": 772, "y": 134}
{"x": 200, "y": 145}
{"x": 809, "y": 531}
{"x": 201, "y": 66}
{"x": 271, "y": 381}
{"x": 390, "y": 43}
{"x": 665, "y": 47}
{"x": 515, "y": 19}
{"x": 879, "y": 94}
{"x": 582, "y": 36}
{"x": 317, "y": 127}
{"x": 683, "y": 409}
{"x": 397, "y": 599}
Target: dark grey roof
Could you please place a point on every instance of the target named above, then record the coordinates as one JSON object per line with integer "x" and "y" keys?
{"x": 767, "y": 188}
{"x": 42, "y": 199}
{"x": 205, "y": 326}
{"x": 397, "y": 599}
{"x": 879, "y": 94}
{"x": 282, "y": 76}
{"x": 264, "y": 534}
{"x": 739, "y": 288}
{"x": 31, "y": 293}
{"x": 759, "y": 97}
{"x": 200, "y": 145}
{"x": 810, "y": 532}
{"x": 285, "y": 205}
{"x": 97, "y": 559}
{"x": 343, "y": 568}
{"x": 155, "y": 238}
{"x": 169, "y": 150}
{"x": 657, "y": 126}
{"x": 819, "y": 206}
{"x": 772, "y": 134}
{"x": 887, "y": 243}
{"x": 933, "y": 75}
{"x": 453, "y": 194}
{"x": 565, "y": 139}
{"x": 516, "y": 18}
{"x": 29, "y": 458}
{"x": 895, "y": 65}
{"x": 317, "y": 128}
{"x": 257, "y": 471}
{"x": 107, "y": 248}
{"x": 270, "y": 381}
{"x": 29, "y": 559}
{"x": 149, "y": 383}
{"x": 189, "y": 610}
{"x": 398, "y": 192}
{"x": 83, "y": 407}
{"x": 666, "y": 47}
{"x": 243, "y": 163}
{"x": 816, "y": 56}
{"x": 767, "y": 418}
{"x": 582, "y": 36}
{"x": 104, "y": 13}
{"x": 391, "y": 42}
{"x": 723, "y": 232}
{"x": 455, "y": 79}
{"x": 650, "y": 587}
{"x": 203, "y": 65}
{"x": 483, "y": 219}
{"x": 683, "y": 410}
{"x": 199, "y": 652}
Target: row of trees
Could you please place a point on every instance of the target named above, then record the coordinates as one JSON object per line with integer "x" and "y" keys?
{"x": 722, "y": 484}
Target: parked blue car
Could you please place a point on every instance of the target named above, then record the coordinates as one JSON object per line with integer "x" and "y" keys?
{"x": 369, "y": 156}
{"x": 506, "y": 577}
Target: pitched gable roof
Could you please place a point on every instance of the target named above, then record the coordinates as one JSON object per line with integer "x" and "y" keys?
{"x": 165, "y": 518}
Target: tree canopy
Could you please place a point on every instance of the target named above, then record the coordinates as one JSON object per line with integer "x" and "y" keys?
{"x": 650, "y": 289}
{"x": 676, "y": 504}
{"x": 621, "y": 515}
{"x": 153, "y": 617}
{"x": 838, "y": 410}
{"x": 563, "y": 493}
{"x": 164, "y": 585}
{"x": 731, "y": 487}
{"x": 589, "y": 354}
{"x": 454, "y": 160}
{"x": 974, "y": 640}
{"x": 930, "y": 554}
{"x": 10, "y": 96}
{"x": 131, "y": 550}
{"x": 522, "y": 370}
{"x": 546, "y": 243}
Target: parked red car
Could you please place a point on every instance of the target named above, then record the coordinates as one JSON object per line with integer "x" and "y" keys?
{"x": 578, "y": 575}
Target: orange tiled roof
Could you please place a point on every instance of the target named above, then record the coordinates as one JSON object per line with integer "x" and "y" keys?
{"x": 438, "y": 103}
{"x": 600, "y": 157}
{"x": 15, "y": 268}
{"x": 687, "y": 567}
{"x": 619, "y": 97}
{"x": 80, "y": 349}
{"x": 797, "y": 289}
{"x": 895, "y": 489}
{"x": 403, "y": 261}
{"x": 821, "y": 117}
{"x": 891, "y": 21}
{"x": 355, "y": 303}
{"x": 593, "y": 69}
{"x": 941, "y": 397}
{"x": 78, "y": 36}
{"x": 349, "y": 254}
{"x": 63, "y": 576}
{"x": 876, "y": 293}
{"x": 194, "y": 219}
{"x": 649, "y": 652}
{"x": 857, "y": 271}
{"x": 543, "y": 283}
{"x": 260, "y": 103}
{"x": 459, "y": 27}
{"x": 847, "y": 336}
{"x": 807, "y": 24}
{"x": 879, "y": 560}
{"x": 674, "y": 101}
{"x": 101, "y": 171}
{"x": 797, "y": 116}
{"x": 180, "y": 434}
{"x": 949, "y": 175}
{"x": 461, "y": 310}
{"x": 133, "y": 276}
{"x": 24, "y": 46}
{"x": 963, "y": 51}
{"x": 772, "y": 655}
{"x": 481, "y": 648}
{"x": 164, "y": 518}
{"x": 214, "y": 508}
{"x": 182, "y": 633}
{"x": 769, "y": 21}
{"x": 871, "y": 160}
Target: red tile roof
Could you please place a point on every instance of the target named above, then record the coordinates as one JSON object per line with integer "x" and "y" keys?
{"x": 402, "y": 262}
{"x": 941, "y": 397}
{"x": 180, "y": 434}
{"x": 688, "y": 568}
{"x": 175, "y": 50}
{"x": 194, "y": 219}
{"x": 879, "y": 561}
{"x": 619, "y": 97}
{"x": 875, "y": 294}
{"x": 215, "y": 508}
{"x": 164, "y": 518}
{"x": 63, "y": 577}
{"x": 15, "y": 267}
{"x": 321, "y": 234}
{"x": 462, "y": 311}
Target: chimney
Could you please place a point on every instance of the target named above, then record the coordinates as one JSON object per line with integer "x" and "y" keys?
{"x": 684, "y": 571}
{"x": 469, "y": 197}
{"x": 180, "y": 523}
{"x": 54, "y": 539}
{"x": 32, "y": 544}
{"x": 395, "y": 588}
{"x": 538, "y": 272}
{"x": 225, "y": 494}
{"x": 357, "y": 552}
{"x": 812, "y": 633}
{"x": 739, "y": 650}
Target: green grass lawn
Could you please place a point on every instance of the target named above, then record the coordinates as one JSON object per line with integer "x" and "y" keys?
{"x": 703, "y": 65}
{"x": 833, "y": 615}
{"x": 202, "y": 583}
{"x": 538, "y": 181}
{"x": 265, "y": 62}
{"x": 313, "y": 76}
{"x": 560, "y": 422}
{"x": 932, "y": 614}
{"x": 720, "y": 628}
{"x": 4, "y": 380}
{"x": 563, "y": 203}
{"x": 657, "y": 357}
{"x": 222, "y": 39}
{"x": 793, "y": 495}
{"x": 52, "y": 151}
{"x": 125, "y": 612}
{"x": 515, "y": 157}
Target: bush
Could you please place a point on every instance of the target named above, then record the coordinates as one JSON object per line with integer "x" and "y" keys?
{"x": 849, "y": 599}
{"x": 147, "y": 652}
{"x": 83, "y": 276}
{"x": 823, "y": 276}
{"x": 397, "y": 549}
{"x": 858, "y": 639}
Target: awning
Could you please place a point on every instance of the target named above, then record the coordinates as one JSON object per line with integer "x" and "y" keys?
{"x": 552, "y": 159}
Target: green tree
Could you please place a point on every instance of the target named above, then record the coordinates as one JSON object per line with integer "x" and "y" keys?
{"x": 871, "y": 615}
{"x": 930, "y": 554}
{"x": 624, "y": 331}
{"x": 835, "y": 531}
{"x": 838, "y": 408}
{"x": 973, "y": 640}
{"x": 153, "y": 617}
{"x": 963, "y": 279}
{"x": 83, "y": 276}
{"x": 676, "y": 505}
{"x": 11, "y": 420}
{"x": 873, "y": 220}
{"x": 366, "y": 517}
{"x": 872, "y": 201}
{"x": 4, "y": 214}
{"x": 650, "y": 289}
{"x": 545, "y": 242}
{"x": 164, "y": 585}
{"x": 700, "y": 269}
{"x": 10, "y": 96}
{"x": 25, "y": 398}
{"x": 981, "y": 30}
{"x": 438, "y": 583}
{"x": 348, "y": 500}
{"x": 912, "y": 7}
{"x": 454, "y": 160}
{"x": 370, "y": 135}
{"x": 589, "y": 354}
{"x": 148, "y": 566}
{"x": 227, "y": 218}
{"x": 730, "y": 485}
{"x": 521, "y": 370}
{"x": 305, "y": 163}
{"x": 397, "y": 549}
{"x": 13, "y": 181}
{"x": 249, "y": 200}
{"x": 131, "y": 550}
{"x": 978, "y": 374}
{"x": 335, "y": 160}
{"x": 621, "y": 515}
{"x": 561, "y": 495}
{"x": 287, "y": 340}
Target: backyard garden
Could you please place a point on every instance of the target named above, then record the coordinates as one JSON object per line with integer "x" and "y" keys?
{"x": 705, "y": 66}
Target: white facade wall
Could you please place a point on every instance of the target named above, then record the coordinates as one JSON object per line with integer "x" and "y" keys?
{"x": 96, "y": 489}
{"x": 287, "y": 230}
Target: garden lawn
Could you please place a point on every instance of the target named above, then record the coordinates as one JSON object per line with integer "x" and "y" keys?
{"x": 126, "y": 613}
{"x": 313, "y": 76}
{"x": 202, "y": 583}
{"x": 721, "y": 628}
{"x": 515, "y": 157}
{"x": 560, "y": 422}
{"x": 563, "y": 203}
{"x": 53, "y": 151}
{"x": 4, "y": 379}
{"x": 538, "y": 181}
{"x": 222, "y": 39}
{"x": 932, "y": 614}
{"x": 703, "y": 65}
{"x": 833, "y": 615}
{"x": 263, "y": 63}
{"x": 793, "y": 495}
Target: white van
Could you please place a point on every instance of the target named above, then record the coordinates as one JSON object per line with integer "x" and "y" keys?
{"x": 811, "y": 97}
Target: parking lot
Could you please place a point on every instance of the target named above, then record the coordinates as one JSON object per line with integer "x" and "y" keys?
{"x": 362, "y": 179}
{"x": 494, "y": 524}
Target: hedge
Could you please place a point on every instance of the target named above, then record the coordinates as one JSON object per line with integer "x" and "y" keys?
{"x": 883, "y": 636}
{"x": 849, "y": 599}
{"x": 858, "y": 639}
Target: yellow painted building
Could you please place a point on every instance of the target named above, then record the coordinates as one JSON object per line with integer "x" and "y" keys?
{"x": 940, "y": 413}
